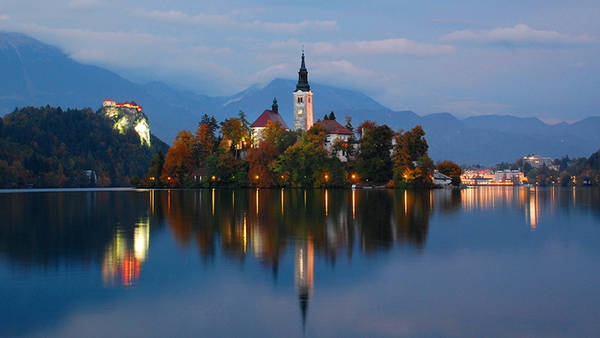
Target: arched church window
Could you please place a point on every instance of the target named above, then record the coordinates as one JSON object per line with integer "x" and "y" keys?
{"x": 300, "y": 100}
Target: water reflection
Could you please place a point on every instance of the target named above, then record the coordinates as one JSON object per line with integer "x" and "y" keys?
{"x": 60, "y": 230}
{"x": 113, "y": 228}
{"x": 125, "y": 255}
{"x": 114, "y": 232}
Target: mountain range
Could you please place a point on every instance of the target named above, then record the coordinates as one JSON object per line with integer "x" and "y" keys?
{"x": 37, "y": 74}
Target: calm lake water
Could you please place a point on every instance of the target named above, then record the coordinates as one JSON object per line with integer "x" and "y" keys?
{"x": 497, "y": 261}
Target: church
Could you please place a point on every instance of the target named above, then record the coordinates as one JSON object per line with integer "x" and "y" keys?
{"x": 303, "y": 115}
{"x": 303, "y": 108}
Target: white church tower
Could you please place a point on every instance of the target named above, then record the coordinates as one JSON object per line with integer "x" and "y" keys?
{"x": 303, "y": 105}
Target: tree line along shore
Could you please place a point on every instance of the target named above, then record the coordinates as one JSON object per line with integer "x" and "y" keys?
{"x": 225, "y": 155}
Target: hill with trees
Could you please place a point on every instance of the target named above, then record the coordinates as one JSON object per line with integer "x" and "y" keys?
{"x": 49, "y": 147}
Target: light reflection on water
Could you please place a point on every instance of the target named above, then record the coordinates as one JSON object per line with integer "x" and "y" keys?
{"x": 145, "y": 243}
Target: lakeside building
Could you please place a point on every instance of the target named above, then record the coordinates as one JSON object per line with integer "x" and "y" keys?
{"x": 538, "y": 161}
{"x": 491, "y": 177}
{"x": 441, "y": 179}
{"x": 260, "y": 124}
{"x": 335, "y": 131}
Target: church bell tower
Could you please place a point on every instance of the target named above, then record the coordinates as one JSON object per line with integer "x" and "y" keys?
{"x": 303, "y": 105}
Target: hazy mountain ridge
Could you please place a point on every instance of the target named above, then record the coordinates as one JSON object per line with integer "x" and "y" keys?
{"x": 39, "y": 74}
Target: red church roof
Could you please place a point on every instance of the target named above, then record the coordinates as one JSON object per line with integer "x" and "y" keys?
{"x": 333, "y": 127}
{"x": 269, "y": 115}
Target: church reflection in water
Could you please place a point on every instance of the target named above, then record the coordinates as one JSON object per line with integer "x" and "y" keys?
{"x": 309, "y": 225}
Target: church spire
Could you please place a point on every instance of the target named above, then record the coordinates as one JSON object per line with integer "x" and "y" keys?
{"x": 275, "y": 106}
{"x": 303, "y": 77}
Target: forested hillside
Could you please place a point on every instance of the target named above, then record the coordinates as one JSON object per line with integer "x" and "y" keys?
{"x": 49, "y": 147}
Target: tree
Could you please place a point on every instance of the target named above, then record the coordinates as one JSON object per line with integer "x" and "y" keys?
{"x": 204, "y": 144}
{"x": 260, "y": 160}
{"x": 305, "y": 162}
{"x": 234, "y": 134}
{"x": 451, "y": 170}
{"x": 373, "y": 160}
{"x": 279, "y": 137}
{"x": 332, "y": 115}
{"x": 412, "y": 164}
{"x": 245, "y": 123}
{"x": 211, "y": 122}
{"x": 179, "y": 159}
{"x": 156, "y": 166}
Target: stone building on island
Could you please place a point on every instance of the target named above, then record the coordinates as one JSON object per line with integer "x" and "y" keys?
{"x": 260, "y": 124}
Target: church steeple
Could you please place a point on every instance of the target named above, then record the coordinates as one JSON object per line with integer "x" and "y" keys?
{"x": 303, "y": 77}
{"x": 275, "y": 106}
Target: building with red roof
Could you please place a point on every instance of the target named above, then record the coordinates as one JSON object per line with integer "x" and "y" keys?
{"x": 335, "y": 131}
{"x": 261, "y": 122}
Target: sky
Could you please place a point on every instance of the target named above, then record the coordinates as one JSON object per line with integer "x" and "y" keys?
{"x": 524, "y": 58}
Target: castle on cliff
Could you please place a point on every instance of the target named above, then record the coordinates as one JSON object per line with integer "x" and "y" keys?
{"x": 127, "y": 116}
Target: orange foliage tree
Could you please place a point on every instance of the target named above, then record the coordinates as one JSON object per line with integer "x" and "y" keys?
{"x": 179, "y": 159}
{"x": 260, "y": 160}
{"x": 204, "y": 143}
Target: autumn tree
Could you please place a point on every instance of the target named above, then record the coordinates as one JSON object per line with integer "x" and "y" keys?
{"x": 278, "y": 137}
{"x": 234, "y": 135}
{"x": 451, "y": 170}
{"x": 204, "y": 144}
{"x": 179, "y": 160}
{"x": 260, "y": 161}
{"x": 412, "y": 164}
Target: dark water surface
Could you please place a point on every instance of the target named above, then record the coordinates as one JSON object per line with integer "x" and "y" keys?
{"x": 478, "y": 262}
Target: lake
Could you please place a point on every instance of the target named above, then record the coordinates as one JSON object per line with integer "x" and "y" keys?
{"x": 485, "y": 261}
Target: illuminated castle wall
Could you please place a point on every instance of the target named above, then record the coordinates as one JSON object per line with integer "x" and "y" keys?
{"x": 127, "y": 116}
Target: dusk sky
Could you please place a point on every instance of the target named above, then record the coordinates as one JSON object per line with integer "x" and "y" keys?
{"x": 526, "y": 58}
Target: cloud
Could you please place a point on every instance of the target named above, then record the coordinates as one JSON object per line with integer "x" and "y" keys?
{"x": 518, "y": 34}
{"x": 231, "y": 21}
{"x": 4, "y": 17}
{"x": 341, "y": 67}
{"x": 397, "y": 46}
{"x": 84, "y": 3}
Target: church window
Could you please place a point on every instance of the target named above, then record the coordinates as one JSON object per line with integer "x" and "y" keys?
{"x": 300, "y": 100}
